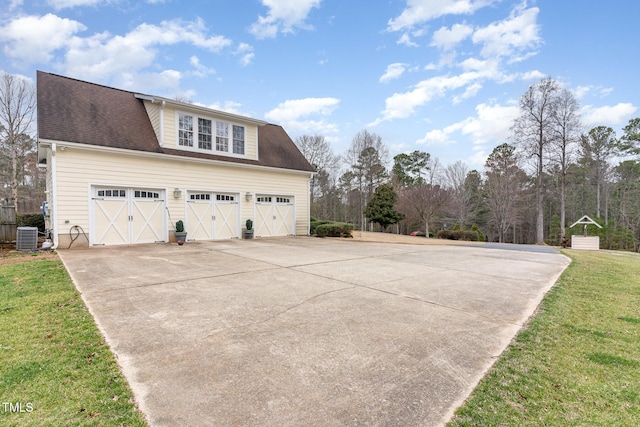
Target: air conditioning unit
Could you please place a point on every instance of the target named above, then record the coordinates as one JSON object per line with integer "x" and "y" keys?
{"x": 27, "y": 239}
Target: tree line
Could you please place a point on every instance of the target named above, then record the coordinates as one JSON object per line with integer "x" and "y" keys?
{"x": 549, "y": 173}
{"x": 21, "y": 181}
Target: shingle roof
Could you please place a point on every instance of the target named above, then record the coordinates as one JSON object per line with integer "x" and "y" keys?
{"x": 75, "y": 111}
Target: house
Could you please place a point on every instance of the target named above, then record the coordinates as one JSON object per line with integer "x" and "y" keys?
{"x": 124, "y": 167}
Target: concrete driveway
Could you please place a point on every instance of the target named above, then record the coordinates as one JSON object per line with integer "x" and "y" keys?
{"x": 306, "y": 331}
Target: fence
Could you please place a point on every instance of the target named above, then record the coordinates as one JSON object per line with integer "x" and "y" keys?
{"x": 7, "y": 223}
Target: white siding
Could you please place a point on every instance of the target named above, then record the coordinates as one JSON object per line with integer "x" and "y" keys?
{"x": 78, "y": 169}
{"x": 153, "y": 110}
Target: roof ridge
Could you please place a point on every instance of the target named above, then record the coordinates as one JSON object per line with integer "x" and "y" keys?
{"x": 86, "y": 82}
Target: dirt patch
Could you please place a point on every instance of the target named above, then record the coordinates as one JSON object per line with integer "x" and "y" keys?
{"x": 367, "y": 236}
{"x": 11, "y": 256}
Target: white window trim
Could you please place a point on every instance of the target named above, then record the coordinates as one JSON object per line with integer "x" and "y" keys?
{"x": 213, "y": 150}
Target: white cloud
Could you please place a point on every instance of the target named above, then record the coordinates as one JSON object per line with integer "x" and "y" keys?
{"x": 511, "y": 36}
{"x": 283, "y": 16}
{"x": 533, "y": 75}
{"x": 487, "y": 67}
{"x": 478, "y": 159}
{"x": 293, "y": 109}
{"x": 28, "y": 46}
{"x": 608, "y": 115}
{"x": 102, "y": 55}
{"x": 403, "y": 105}
{"x": 201, "y": 70}
{"x": 229, "y": 107}
{"x": 599, "y": 91}
{"x": 167, "y": 80}
{"x": 447, "y": 39}
{"x": 469, "y": 92}
{"x": 405, "y": 39}
{"x": 305, "y": 115}
{"x": 438, "y": 137}
{"x": 245, "y": 52}
{"x": 393, "y": 71}
{"x": 14, "y": 4}
{"x": 64, "y": 4}
{"x": 420, "y": 11}
{"x": 507, "y": 41}
{"x": 491, "y": 124}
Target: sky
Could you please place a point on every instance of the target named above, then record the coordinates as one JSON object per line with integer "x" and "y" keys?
{"x": 441, "y": 76}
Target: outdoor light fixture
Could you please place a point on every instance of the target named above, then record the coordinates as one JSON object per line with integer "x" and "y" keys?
{"x": 248, "y": 196}
{"x": 177, "y": 193}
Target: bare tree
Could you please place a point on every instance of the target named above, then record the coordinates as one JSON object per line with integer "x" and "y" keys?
{"x": 17, "y": 110}
{"x": 566, "y": 129}
{"x": 533, "y": 130}
{"x": 367, "y": 158}
{"x": 317, "y": 150}
{"x": 596, "y": 148}
{"x": 503, "y": 188}
{"x": 455, "y": 175}
{"x": 424, "y": 203}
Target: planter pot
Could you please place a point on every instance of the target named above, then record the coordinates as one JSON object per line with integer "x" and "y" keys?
{"x": 180, "y": 237}
{"x": 248, "y": 234}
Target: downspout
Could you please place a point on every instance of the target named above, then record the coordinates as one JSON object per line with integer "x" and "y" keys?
{"x": 309, "y": 204}
{"x": 54, "y": 197}
{"x": 162, "y": 123}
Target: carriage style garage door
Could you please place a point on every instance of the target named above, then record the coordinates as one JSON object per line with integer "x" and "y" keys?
{"x": 127, "y": 215}
{"x": 212, "y": 216}
{"x": 274, "y": 216}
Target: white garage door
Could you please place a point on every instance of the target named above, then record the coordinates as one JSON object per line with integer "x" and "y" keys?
{"x": 274, "y": 216}
{"x": 126, "y": 215}
{"x": 212, "y": 216}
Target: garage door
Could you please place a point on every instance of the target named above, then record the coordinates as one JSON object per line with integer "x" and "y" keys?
{"x": 126, "y": 215}
{"x": 274, "y": 216}
{"x": 212, "y": 216}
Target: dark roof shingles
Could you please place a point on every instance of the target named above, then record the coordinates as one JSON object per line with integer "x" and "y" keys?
{"x": 86, "y": 113}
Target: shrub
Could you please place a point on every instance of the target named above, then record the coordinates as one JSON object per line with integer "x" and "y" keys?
{"x": 334, "y": 229}
{"x": 481, "y": 236}
{"x": 30, "y": 220}
{"x": 315, "y": 223}
{"x": 467, "y": 235}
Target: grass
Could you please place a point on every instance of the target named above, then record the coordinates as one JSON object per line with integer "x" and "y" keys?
{"x": 55, "y": 367}
{"x": 578, "y": 361}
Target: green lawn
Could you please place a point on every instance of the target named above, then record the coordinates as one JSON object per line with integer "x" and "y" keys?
{"x": 578, "y": 361}
{"x": 55, "y": 368}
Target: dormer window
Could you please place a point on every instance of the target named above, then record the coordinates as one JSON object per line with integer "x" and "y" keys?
{"x": 222, "y": 136}
{"x": 229, "y": 137}
{"x": 238, "y": 139}
{"x": 185, "y": 130}
{"x": 204, "y": 134}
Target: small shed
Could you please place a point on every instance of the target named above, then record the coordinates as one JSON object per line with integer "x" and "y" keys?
{"x": 585, "y": 242}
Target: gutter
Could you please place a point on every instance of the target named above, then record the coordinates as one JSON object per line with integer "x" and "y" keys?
{"x": 164, "y": 156}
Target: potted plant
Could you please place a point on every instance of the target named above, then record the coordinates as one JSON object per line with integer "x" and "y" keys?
{"x": 248, "y": 231}
{"x": 180, "y": 234}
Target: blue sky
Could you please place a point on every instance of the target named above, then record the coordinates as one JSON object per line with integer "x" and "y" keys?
{"x": 441, "y": 76}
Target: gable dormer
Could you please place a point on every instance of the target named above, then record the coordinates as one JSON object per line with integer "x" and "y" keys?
{"x": 193, "y": 128}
